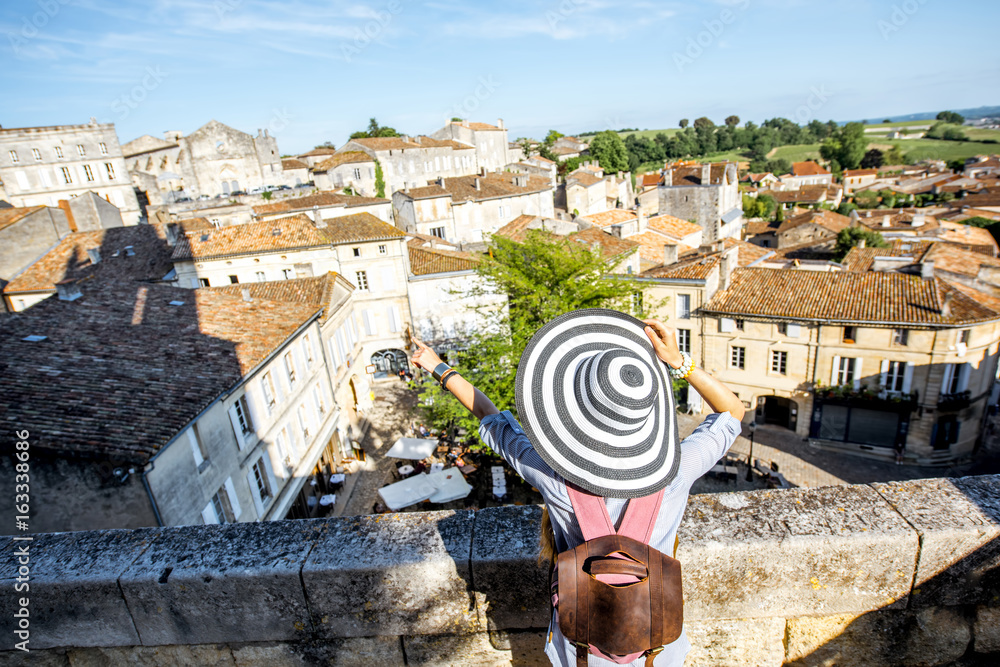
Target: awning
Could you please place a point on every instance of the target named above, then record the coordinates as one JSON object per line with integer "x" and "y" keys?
{"x": 412, "y": 448}
{"x": 410, "y": 491}
{"x": 451, "y": 485}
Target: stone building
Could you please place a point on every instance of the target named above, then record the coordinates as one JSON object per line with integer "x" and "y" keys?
{"x": 39, "y": 166}
{"x": 490, "y": 141}
{"x": 856, "y": 179}
{"x": 805, "y": 173}
{"x": 706, "y": 194}
{"x": 467, "y": 209}
{"x": 26, "y": 234}
{"x": 622, "y": 254}
{"x": 536, "y": 165}
{"x": 212, "y": 161}
{"x": 589, "y": 190}
{"x": 410, "y": 162}
{"x": 350, "y": 169}
{"x": 325, "y": 205}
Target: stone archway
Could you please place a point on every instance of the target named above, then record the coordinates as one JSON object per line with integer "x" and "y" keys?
{"x": 780, "y": 411}
{"x": 388, "y": 363}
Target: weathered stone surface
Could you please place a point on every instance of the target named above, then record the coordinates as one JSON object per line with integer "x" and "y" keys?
{"x": 393, "y": 575}
{"x": 41, "y": 658}
{"x": 511, "y": 588}
{"x": 349, "y": 652}
{"x": 794, "y": 552}
{"x": 892, "y": 637}
{"x": 231, "y": 583}
{"x": 74, "y": 595}
{"x": 152, "y": 656}
{"x": 466, "y": 650}
{"x": 747, "y": 642}
{"x": 986, "y": 631}
{"x": 959, "y": 537}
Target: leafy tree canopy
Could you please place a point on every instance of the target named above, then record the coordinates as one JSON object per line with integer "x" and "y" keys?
{"x": 610, "y": 151}
{"x": 703, "y": 122}
{"x": 375, "y": 130}
{"x": 552, "y": 137}
{"x": 325, "y": 144}
{"x": 873, "y": 159}
{"x": 851, "y": 236}
{"x": 951, "y": 117}
{"x": 732, "y": 121}
{"x": 846, "y": 145}
{"x": 684, "y": 123}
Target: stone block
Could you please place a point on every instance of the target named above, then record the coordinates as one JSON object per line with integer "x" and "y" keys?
{"x": 986, "y": 630}
{"x": 794, "y": 552}
{"x": 42, "y": 658}
{"x": 958, "y": 521}
{"x": 152, "y": 656}
{"x": 511, "y": 588}
{"x": 74, "y": 598}
{"x": 348, "y": 652}
{"x": 751, "y": 642}
{"x": 231, "y": 583}
{"x": 393, "y": 575}
{"x": 466, "y": 650}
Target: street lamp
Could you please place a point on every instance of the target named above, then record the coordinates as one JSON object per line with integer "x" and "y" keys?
{"x": 753, "y": 427}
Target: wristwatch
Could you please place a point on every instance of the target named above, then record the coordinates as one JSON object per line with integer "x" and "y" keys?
{"x": 440, "y": 370}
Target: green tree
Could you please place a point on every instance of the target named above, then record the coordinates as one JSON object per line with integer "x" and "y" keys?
{"x": 873, "y": 159}
{"x": 552, "y": 137}
{"x": 379, "y": 181}
{"x": 456, "y": 119}
{"x": 893, "y": 156}
{"x": 325, "y": 144}
{"x": 703, "y": 122}
{"x": 543, "y": 277}
{"x": 992, "y": 226}
{"x": 866, "y": 199}
{"x": 846, "y": 207}
{"x": 610, "y": 151}
{"x": 375, "y": 130}
{"x": 766, "y": 206}
{"x": 732, "y": 121}
{"x": 266, "y": 195}
{"x": 684, "y": 123}
{"x": 846, "y": 146}
{"x": 849, "y": 237}
{"x": 951, "y": 117}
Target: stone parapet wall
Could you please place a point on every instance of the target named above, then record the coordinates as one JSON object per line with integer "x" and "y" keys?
{"x": 901, "y": 573}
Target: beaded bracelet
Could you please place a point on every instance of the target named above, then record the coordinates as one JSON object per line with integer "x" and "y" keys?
{"x": 448, "y": 376}
{"x": 685, "y": 368}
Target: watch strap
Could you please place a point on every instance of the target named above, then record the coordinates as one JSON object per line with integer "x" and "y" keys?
{"x": 440, "y": 370}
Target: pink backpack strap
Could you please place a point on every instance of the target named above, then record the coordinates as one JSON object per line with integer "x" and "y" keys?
{"x": 592, "y": 515}
{"x": 640, "y": 517}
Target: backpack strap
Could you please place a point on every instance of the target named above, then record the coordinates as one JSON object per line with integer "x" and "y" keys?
{"x": 592, "y": 515}
{"x": 640, "y": 517}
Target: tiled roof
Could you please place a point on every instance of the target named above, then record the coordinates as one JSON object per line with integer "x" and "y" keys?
{"x": 697, "y": 263}
{"x": 967, "y": 235}
{"x": 348, "y": 157}
{"x": 122, "y": 371}
{"x": 320, "y": 199}
{"x": 69, "y": 259}
{"x": 807, "y": 194}
{"x": 609, "y": 244}
{"x": 980, "y": 199}
{"x": 316, "y": 291}
{"x": 686, "y": 173}
{"x": 846, "y": 296}
{"x": 834, "y": 222}
{"x": 293, "y": 164}
{"x": 516, "y": 229}
{"x": 755, "y": 227}
{"x": 954, "y": 259}
{"x": 316, "y": 152}
{"x": 897, "y": 218}
{"x": 8, "y": 216}
{"x": 539, "y": 158}
{"x": 145, "y": 144}
{"x": 861, "y": 260}
{"x": 384, "y": 143}
{"x": 426, "y": 261}
{"x": 672, "y": 226}
{"x": 419, "y": 240}
{"x": 612, "y": 217}
{"x": 652, "y": 179}
{"x": 479, "y": 127}
{"x": 492, "y": 185}
{"x": 564, "y": 150}
{"x": 855, "y": 173}
{"x": 651, "y": 246}
{"x": 289, "y": 233}
{"x": 808, "y": 169}
{"x": 583, "y": 177}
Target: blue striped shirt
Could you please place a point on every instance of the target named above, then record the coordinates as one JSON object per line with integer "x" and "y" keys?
{"x": 699, "y": 452}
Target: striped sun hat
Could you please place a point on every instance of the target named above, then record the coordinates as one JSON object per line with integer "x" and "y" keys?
{"x": 597, "y": 404}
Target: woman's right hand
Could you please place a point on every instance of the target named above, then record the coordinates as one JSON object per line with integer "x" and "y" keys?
{"x": 424, "y": 357}
{"x": 664, "y": 340}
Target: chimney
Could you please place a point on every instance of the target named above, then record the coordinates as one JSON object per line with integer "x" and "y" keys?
{"x": 246, "y": 294}
{"x": 729, "y": 262}
{"x": 478, "y": 186}
{"x": 927, "y": 270}
{"x": 616, "y": 230}
{"x": 482, "y": 171}
{"x": 173, "y": 233}
{"x": 68, "y": 290}
{"x": 441, "y": 182}
{"x": 407, "y": 138}
{"x": 855, "y": 218}
{"x": 643, "y": 222}
{"x": 500, "y": 123}
{"x": 318, "y": 219}
{"x": 720, "y": 245}
{"x": 418, "y": 139}
{"x": 885, "y": 221}
{"x": 861, "y": 243}
{"x": 668, "y": 177}
{"x": 706, "y": 174}
{"x": 946, "y": 305}
{"x": 95, "y": 255}
{"x": 64, "y": 205}
{"x": 669, "y": 254}
{"x": 919, "y": 219}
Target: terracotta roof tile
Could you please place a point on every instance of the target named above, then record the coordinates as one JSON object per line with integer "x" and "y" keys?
{"x": 317, "y": 291}
{"x": 316, "y": 152}
{"x": 846, "y": 296}
{"x": 348, "y": 157}
{"x": 834, "y": 222}
{"x": 611, "y": 246}
{"x": 612, "y": 217}
{"x": 426, "y": 261}
{"x": 463, "y": 188}
{"x": 8, "y": 216}
{"x": 320, "y": 199}
{"x": 808, "y": 169}
{"x": 860, "y": 172}
{"x": 583, "y": 177}
{"x": 291, "y": 163}
{"x": 672, "y": 226}
{"x": 955, "y": 259}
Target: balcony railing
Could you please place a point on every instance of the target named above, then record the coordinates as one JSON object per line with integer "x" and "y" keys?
{"x": 865, "y": 397}
{"x": 956, "y": 401}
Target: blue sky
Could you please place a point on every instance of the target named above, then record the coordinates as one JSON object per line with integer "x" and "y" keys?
{"x": 315, "y": 71}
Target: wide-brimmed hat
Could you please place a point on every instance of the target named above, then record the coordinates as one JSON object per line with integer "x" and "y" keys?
{"x": 597, "y": 404}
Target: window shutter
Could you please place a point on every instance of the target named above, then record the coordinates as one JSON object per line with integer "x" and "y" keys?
{"x": 270, "y": 474}
{"x": 233, "y": 501}
{"x": 393, "y": 314}
{"x": 884, "y": 373}
{"x": 907, "y": 378}
{"x": 857, "y": 372}
{"x": 949, "y": 372}
{"x": 255, "y": 492}
{"x": 339, "y": 335}
{"x": 793, "y": 330}
{"x": 334, "y": 353}
{"x": 388, "y": 279}
{"x": 195, "y": 283}
{"x": 369, "y": 319}
{"x": 195, "y": 449}
{"x": 209, "y": 515}
{"x": 354, "y": 326}
{"x": 836, "y": 367}
{"x": 234, "y": 418}
{"x": 726, "y": 325}
{"x": 963, "y": 376}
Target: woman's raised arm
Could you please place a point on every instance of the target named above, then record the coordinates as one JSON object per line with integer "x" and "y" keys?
{"x": 474, "y": 400}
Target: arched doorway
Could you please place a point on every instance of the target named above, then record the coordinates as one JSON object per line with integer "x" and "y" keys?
{"x": 389, "y": 362}
{"x": 780, "y": 411}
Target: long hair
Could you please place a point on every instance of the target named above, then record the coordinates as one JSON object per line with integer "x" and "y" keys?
{"x": 546, "y": 541}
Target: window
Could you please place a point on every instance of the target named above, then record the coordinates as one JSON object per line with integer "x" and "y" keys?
{"x": 955, "y": 379}
{"x": 438, "y": 232}
{"x": 267, "y": 384}
{"x": 684, "y": 340}
{"x": 290, "y": 368}
{"x": 197, "y": 448}
{"x": 779, "y": 362}
{"x": 683, "y": 306}
{"x": 13, "y": 157}
{"x": 307, "y": 350}
{"x": 844, "y": 370}
{"x": 67, "y": 177}
{"x": 900, "y": 336}
{"x": 303, "y": 423}
{"x": 636, "y": 303}
{"x": 963, "y": 336}
{"x": 383, "y": 250}
{"x": 104, "y": 148}
{"x": 362, "y": 280}
{"x": 737, "y": 358}
{"x": 287, "y": 274}
{"x": 37, "y": 154}
{"x": 203, "y": 282}
{"x": 81, "y": 150}
{"x": 739, "y": 325}
{"x": 234, "y": 280}
{"x": 259, "y": 473}
{"x": 261, "y": 277}
{"x": 221, "y": 513}
{"x": 894, "y": 376}
{"x": 357, "y": 252}
{"x": 782, "y": 329}
{"x": 88, "y": 172}
{"x": 111, "y": 170}
{"x": 59, "y": 152}
{"x": 318, "y": 398}
{"x": 243, "y": 415}
{"x": 357, "y": 174}
{"x": 849, "y": 334}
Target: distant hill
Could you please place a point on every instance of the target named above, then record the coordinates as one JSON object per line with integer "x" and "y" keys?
{"x": 970, "y": 114}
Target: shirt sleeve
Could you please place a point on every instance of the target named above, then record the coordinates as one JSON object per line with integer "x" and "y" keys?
{"x": 707, "y": 444}
{"x": 505, "y": 436}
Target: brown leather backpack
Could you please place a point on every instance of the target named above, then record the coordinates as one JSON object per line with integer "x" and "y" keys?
{"x": 616, "y": 596}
